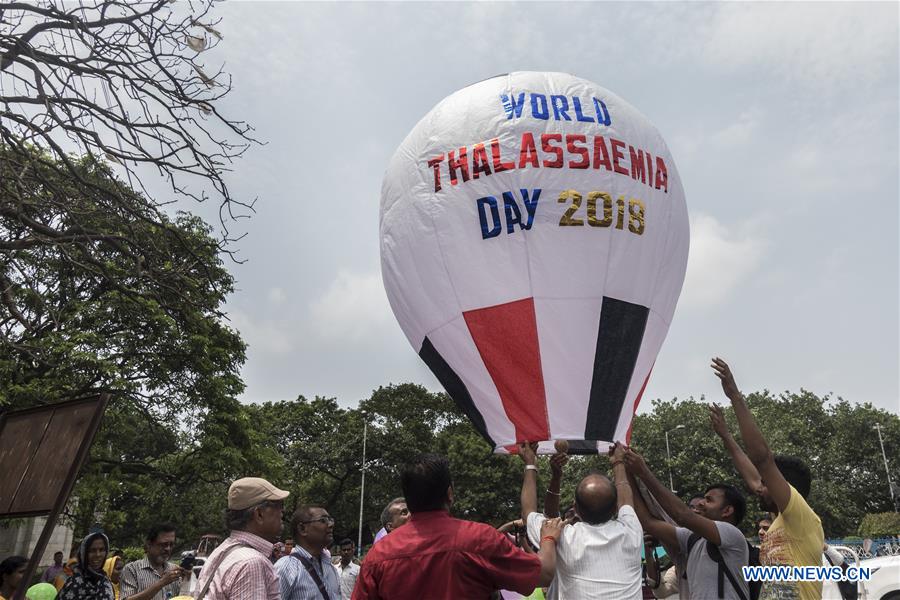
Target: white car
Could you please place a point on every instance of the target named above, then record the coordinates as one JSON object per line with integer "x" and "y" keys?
{"x": 885, "y": 578}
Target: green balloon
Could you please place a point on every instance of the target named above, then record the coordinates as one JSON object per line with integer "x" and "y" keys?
{"x": 41, "y": 591}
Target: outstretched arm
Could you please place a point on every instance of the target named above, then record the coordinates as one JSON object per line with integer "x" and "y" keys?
{"x": 506, "y": 527}
{"x": 528, "y": 497}
{"x": 652, "y": 562}
{"x": 669, "y": 502}
{"x": 624, "y": 493}
{"x": 551, "y": 497}
{"x": 757, "y": 448}
{"x": 743, "y": 464}
{"x": 551, "y": 529}
{"x": 664, "y": 532}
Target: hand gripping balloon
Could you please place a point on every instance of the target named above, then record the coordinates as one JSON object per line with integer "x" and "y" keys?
{"x": 534, "y": 239}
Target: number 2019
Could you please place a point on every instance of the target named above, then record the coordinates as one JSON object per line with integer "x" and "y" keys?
{"x": 635, "y": 211}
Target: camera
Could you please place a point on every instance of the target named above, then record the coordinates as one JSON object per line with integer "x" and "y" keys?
{"x": 187, "y": 560}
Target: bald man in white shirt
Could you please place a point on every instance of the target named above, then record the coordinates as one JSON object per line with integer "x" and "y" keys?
{"x": 599, "y": 556}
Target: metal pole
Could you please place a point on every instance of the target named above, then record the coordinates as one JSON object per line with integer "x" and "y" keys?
{"x": 362, "y": 489}
{"x": 884, "y": 456}
{"x": 669, "y": 463}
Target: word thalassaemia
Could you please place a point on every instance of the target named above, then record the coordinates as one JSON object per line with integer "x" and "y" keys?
{"x": 534, "y": 239}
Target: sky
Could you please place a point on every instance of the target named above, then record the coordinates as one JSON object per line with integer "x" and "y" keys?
{"x": 782, "y": 120}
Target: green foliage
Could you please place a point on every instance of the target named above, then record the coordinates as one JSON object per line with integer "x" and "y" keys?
{"x": 321, "y": 445}
{"x": 880, "y": 525}
{"x": 127, "y": 302}
{"x": 834, "y": 437}
{"x": 133, "y": 553}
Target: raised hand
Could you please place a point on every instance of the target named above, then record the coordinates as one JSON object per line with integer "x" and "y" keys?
{"x": 723, "y": 372}
{"x": 552, "y": 528}
{"x": 528, "y": 452}
{"x": 634, "y": 462}
{"x": 617, "y": 451}
{"x": 717, "y": 421}
{"x": 557, "y": 462}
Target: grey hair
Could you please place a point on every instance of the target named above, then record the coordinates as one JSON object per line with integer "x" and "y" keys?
{"x": 386, "y": 513}
{"x": 236, "y": 520}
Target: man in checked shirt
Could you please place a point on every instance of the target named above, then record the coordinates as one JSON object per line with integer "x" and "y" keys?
{"x": 240, "y": 569}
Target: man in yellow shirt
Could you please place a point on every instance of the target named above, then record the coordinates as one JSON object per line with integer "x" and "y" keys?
{"x": 795, "y": 538}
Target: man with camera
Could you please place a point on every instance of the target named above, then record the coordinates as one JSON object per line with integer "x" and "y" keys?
{"x": 153, "y": 577}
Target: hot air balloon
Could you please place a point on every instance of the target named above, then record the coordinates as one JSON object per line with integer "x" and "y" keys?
{"x": 534, "y": 240}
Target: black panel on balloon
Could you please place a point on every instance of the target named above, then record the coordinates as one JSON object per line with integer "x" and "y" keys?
{"x": 619, "y": 340}
{"x": 454, "y": 386}
{"x": 583, "y": 447}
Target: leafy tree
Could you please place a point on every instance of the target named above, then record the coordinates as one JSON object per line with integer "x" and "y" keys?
{"x": 130, "y": 306}
{"x": 880, "y": 525}
{"x": 834, "y": 437}
{"x": 321, "y": 444}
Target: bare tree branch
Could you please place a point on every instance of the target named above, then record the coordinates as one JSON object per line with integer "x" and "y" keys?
{"x": 122, "y": 80}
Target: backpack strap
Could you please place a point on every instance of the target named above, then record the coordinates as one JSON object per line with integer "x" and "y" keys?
{"x": 692, "y": 541}
{"x": 714, "y": 553}
{"x": 307, "y": 564}
{"x": 215, "y": 567}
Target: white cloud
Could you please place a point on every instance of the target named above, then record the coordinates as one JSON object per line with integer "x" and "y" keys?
{"x": 263, "y": 336}
{"x": 277, "y": 296}
{"x": 696, "y": 142}
{"x": 740, "y": 132}
{"x": 352, "y": 309}
{"x": 817, "y": 43}
{"x": 719, "y": 261}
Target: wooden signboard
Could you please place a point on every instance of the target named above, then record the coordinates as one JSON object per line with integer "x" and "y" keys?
{"x": 42, "y": 449}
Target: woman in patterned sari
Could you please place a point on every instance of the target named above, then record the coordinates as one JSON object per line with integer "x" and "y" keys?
{"x": 89, "y": 582}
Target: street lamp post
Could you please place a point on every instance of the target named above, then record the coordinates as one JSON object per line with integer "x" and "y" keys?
{"x": 887, "y": 471}
{"x": 669, "y": 456}
{"x": 362, "y": 487}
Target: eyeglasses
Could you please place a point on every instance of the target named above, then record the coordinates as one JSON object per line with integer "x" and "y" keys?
{"x": 164, "y": 545}
{"x": 322, "y": 520}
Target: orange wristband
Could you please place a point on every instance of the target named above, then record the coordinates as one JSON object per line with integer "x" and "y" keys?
{"x": 548, "y": 537}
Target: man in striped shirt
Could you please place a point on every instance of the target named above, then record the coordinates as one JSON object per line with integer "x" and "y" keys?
{"x": 599, "y": 556}
{"x": 154, "y": 577}
{"x": 239, "y": 569}
{"x": 307, "y": 573}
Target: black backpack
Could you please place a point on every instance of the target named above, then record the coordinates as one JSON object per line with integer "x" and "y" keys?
{"x": 713, "y": 551}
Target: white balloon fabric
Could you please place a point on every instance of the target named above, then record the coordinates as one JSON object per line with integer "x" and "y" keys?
{"x": 534, "y": 240}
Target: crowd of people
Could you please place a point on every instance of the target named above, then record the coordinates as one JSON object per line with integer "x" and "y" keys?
{"x": 605, "y": 545}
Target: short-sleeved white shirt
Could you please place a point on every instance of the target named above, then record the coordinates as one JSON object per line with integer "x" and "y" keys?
{"x": 596, "y": 561}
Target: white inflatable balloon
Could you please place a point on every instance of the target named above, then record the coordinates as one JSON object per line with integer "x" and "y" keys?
{"x": 534, "y": 239}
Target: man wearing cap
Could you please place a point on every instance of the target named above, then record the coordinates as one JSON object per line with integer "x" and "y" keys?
{"x": 240, "y": 569}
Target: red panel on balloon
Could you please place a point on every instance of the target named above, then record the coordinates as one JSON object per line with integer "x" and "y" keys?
{"x": 506, "y": 337}
{"x": 634, "y": 409}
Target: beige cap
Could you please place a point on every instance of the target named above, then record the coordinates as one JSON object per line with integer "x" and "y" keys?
{"x": 251, "y": 491}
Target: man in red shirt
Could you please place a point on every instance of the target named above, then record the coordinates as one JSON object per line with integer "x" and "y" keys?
{"x": 435, "y": 556}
